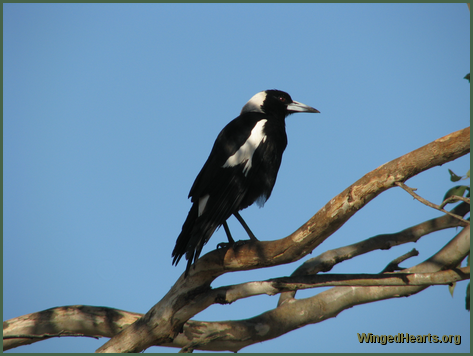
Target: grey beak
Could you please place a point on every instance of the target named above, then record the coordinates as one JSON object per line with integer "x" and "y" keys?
{"x": 295, "y": 106}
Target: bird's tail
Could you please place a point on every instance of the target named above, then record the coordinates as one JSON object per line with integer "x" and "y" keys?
{"x": 183, "y": 239}
{"x": 192, "y": 238}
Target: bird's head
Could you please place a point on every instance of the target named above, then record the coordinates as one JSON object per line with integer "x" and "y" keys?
{"x": 275, "y": 102}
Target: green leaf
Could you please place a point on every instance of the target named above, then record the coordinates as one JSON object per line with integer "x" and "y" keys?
{"x": 467, "y": 77}
{"x": 459, "y": 190}
{"x": 453, "y": 176}
{"x": 468, "y": 174}
{"x": 451, "y": 288}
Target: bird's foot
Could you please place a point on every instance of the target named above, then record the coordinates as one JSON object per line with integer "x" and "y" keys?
{"x": 232, "y": 244}
{"x": 224, "y": 245}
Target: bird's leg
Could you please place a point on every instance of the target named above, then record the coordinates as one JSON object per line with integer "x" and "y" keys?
{"x": 229, "y": 235}
{"x": 231, "y": 242}
{"x": 245, "y": 226}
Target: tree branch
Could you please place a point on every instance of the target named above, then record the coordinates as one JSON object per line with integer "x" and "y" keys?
{"x": 162, "y": 325}
{"x": 164, "y": 321}
{"x": 428, "y": 203}
{"x": 394, "y": 264}
{"x": 282, "y": 284}
{"x": 74, "y": 320}
{"x": 454, "y": 199}
{"x": 87, "y": 319}
{"x": 235, "y": 335}
{"x": 325, "y": 261}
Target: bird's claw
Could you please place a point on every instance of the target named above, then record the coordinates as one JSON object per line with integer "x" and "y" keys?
{"x": 224, "y": 245}
{"x": 231, "y": 245}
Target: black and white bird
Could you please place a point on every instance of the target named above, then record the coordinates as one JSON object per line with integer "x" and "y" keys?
{"x": 241, "y": 169}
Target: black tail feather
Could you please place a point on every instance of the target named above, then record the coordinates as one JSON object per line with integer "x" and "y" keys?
{"x": 182, "y": 241}
{"x": 196, "y": 231}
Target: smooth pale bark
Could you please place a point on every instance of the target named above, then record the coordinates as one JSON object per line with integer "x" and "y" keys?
{"x": 165, "y": 320}
{"x": 163, "y": 324}
{"x": 234, "y": 335}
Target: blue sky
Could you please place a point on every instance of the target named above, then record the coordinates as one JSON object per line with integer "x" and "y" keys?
{"x": 110, "y": 111}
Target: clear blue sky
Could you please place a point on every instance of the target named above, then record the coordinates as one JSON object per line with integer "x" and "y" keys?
{"x": 110, "y": 111}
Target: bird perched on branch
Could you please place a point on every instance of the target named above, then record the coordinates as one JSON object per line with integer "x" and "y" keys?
{"x": 241, "y": 169}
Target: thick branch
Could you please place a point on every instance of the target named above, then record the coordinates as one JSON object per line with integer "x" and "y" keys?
{"x": 75, "y": 320}
{"x": 325, "y": 261}
{"x": 336, "y": 212}
{"x": 107, "y": 322}
{"x": 234, "y": 335}
{"x": 163, "y": 322}
{"x": 88, "y": 321}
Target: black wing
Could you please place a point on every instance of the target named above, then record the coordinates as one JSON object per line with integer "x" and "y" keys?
{"x": 225, "y": 188}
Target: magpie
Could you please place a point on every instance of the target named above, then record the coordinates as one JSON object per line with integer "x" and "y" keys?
{"x": 241, "y": 169}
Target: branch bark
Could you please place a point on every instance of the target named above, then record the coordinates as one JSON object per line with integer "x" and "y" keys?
{"x": 164, "y": 321}
{"x": 325, "y": 261}
{"x": 89, "y": 321}
{"x": 234, "y": 335}
{"x": 428, "y": 203}
{"x": 74, "y": 320}
{"x": 394, "y": 264}
{"x": 230, "y": 294}
{"x": 162, "y": 325}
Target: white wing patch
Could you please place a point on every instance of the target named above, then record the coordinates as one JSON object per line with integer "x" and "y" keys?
{"x": 202, "y": 203}
{"x": 245, "y": 152}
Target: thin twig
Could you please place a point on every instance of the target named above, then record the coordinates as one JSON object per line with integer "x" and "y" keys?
{"x": 454, "y": 199}
{"x": 428, "y": 203}
{"x": 394, "y": 264}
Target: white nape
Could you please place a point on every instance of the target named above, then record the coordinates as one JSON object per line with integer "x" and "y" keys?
{"x": 255, "y": 103}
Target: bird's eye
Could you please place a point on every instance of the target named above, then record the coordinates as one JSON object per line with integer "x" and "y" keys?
{"x": 282, "y": 100}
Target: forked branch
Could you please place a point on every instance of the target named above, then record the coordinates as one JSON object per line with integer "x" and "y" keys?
{"x": 234, "y": 335}
{"x": 165, "y": 320}
{"x": 428, "y": 203}
{"x": 163, "y": 323}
